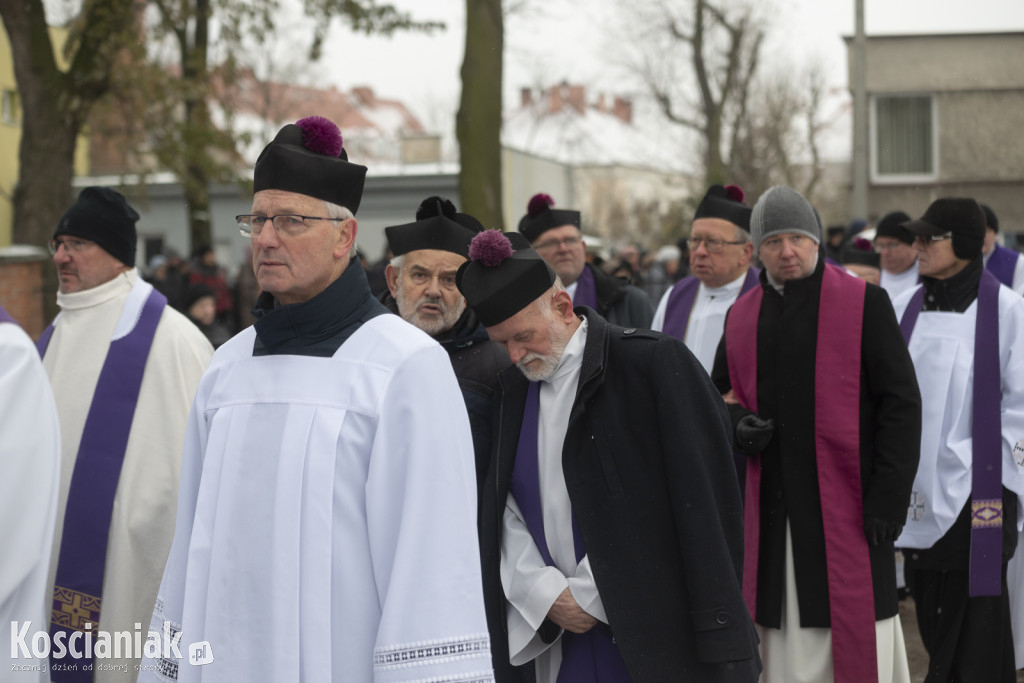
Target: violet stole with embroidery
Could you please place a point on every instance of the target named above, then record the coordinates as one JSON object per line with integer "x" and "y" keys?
{"x": 986, "y": 436}
{"x": 837, "y": 455}
{"x": 78, "y": 589}
{"x": 682, "y": 297}
{"x": 590, "y": 657}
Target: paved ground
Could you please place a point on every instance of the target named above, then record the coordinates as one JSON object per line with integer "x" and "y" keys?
{"x": 916, "y": 655}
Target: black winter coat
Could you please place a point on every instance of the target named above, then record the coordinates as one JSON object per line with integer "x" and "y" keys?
{"x": 890, "y": 444}
{"x": 649, "y": 470}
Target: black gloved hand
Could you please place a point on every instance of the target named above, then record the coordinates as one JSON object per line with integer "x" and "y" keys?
{"x": 878, "y": 531}
{"x": 753, "y": 434}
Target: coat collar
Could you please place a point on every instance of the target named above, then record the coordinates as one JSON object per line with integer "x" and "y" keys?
{"x": 319, "y": 326}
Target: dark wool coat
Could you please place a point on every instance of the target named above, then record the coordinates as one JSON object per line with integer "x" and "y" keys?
{"x": 648, "y": 467}
{"x": 619, "y": 302}
{"x": 890, "y": 444}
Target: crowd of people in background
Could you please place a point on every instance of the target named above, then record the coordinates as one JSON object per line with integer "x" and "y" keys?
{"x": 506, "y": 456}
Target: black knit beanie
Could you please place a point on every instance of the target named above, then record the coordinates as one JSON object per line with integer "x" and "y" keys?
{"x": 103, "y": 216}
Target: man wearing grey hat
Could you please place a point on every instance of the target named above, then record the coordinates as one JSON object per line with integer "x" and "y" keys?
{"x": 825, "y": 404}
{"x": 966, "y": 336}
{"x": 611, "y": 518}
{"x": 327, "y": 523}
{"x": 124, "y": 367}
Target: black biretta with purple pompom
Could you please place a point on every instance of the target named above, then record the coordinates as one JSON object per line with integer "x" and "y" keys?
{"x": 308, "y": 157}
{"x": 502, "y": 277}
{"x": 437, "y": 227}
{"x": 725, "y": 202}
{"x": 541, "y": 216}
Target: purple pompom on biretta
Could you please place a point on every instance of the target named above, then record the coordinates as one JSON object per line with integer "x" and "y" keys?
{"x": 490, "y": 248}
{"x": 321, "y": 135}
{"x": 538, "y": 203}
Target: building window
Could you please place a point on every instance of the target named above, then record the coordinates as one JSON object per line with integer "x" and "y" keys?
{"x": 904, "y": 138}
{"x": 9, "y": 107}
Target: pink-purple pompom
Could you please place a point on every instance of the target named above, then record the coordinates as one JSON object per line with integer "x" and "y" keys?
{"x": 320, "y": 135}
{"x": 538, "y": 203}
{"x": 862, "y": 244}
{"x": 490, "y": 248}
{"x": 735, "y": 193}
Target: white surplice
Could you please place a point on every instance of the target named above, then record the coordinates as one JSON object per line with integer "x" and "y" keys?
{"x": 327, "y": 520}
{"x": 897, "y": 283}
{"x": 29, "y": 473}
{"x": 531, "y": 587}
{"x": 707, "y": 318}
{"x": 942, "y": 348}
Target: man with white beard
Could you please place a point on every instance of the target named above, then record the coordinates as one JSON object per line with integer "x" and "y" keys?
{"x": 611, "y": 504}
{"x": 421, "y": 289}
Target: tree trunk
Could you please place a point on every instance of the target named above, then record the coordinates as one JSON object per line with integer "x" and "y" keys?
{"x": 478, "y": 123}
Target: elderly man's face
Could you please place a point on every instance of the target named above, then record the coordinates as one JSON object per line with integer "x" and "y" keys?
{"x": 536, "y": 336}
{"x": 788, "y": 256}
{"x": 896, "y": 256}
{"x": 82, "y": 264}
{"x": 425, "y": 290}
{"x": 564, "y": 250}
{"x": 295, "y": 268}
{"x": 713, "y": 260}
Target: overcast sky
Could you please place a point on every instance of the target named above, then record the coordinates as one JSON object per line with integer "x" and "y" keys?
{"x": 552, "y": 40}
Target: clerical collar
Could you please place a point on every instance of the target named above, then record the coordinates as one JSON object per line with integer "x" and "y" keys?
{"x": 319, "y": 326}
{"x": 955, "y": 293}
{"x": 728, "y": 289}
{"x": 121, "y": 284}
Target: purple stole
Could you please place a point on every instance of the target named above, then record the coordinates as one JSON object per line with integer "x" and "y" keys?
{"x": 986, "y": 436}
{"x": 1002, "y": 263}
{"x": 837, "y": 449}
{"x": 78, "y": 589}
{"x": 590, "y": 657}
{"x": 5, "y": 317}
{"x": 586, "y": 290}
{"x": 680, "y": 302}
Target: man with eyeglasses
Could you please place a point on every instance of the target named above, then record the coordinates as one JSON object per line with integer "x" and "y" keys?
{"x": 327, "y": 523}
{"x": 123, "y": 366}
{"x": 421, "y": 289}
{"x": 555, "y": 235}
{"x": 897, "y": 256}
{"x": 825, "y": 404}
{"x": 720, "y": 254}
{"x": 966, "y": 336}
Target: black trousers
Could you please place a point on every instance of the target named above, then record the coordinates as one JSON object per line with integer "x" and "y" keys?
{"x": 968, "y": 639}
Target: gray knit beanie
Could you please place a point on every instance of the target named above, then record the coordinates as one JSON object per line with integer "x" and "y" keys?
{"x": 781, "y": 210}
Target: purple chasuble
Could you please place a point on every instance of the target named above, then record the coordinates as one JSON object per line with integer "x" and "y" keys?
{"x": 590, "y": 657}
{"x": 586, "y": 290}
{"x": 680, "y": 302}
{"x": 837, "y": 454}
{"x": 986, "y": 436}
{"x": 78, "y": 589}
